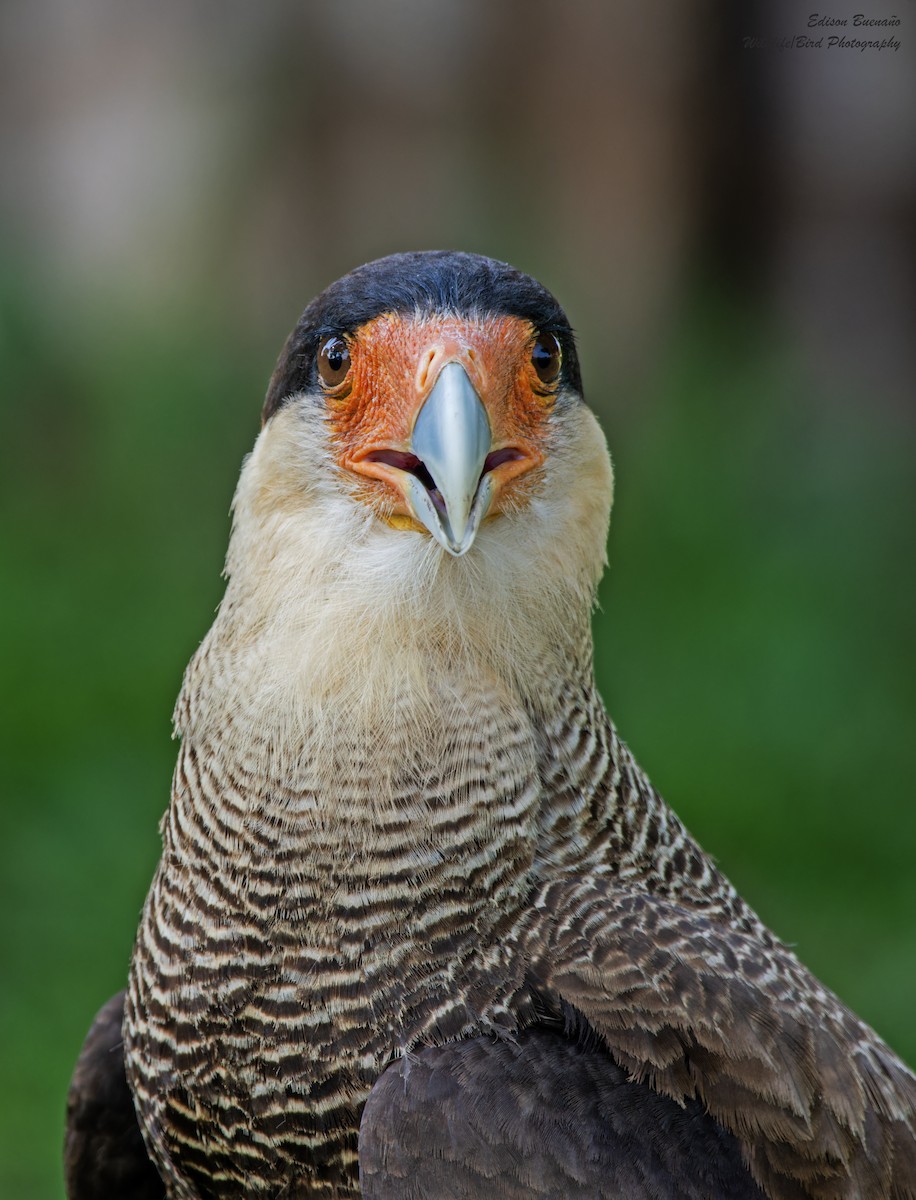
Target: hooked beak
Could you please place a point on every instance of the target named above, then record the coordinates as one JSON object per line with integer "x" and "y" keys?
{"x": 451, "y": 438}
{"x": 447, "y": 472}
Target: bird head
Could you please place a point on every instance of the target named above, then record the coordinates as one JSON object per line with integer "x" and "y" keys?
{"x": 438, "y": 375}
{"x": 427, "y": 469}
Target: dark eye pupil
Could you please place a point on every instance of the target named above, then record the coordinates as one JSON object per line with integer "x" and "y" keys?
{"x": 333, "y": 361}
{"x": 545, "y": 358}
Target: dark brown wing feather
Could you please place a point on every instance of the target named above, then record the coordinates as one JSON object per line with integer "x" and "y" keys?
{"x": 104, "y": 1154}
{"x": 822, "y": 1106}
{"x": 545, "y": 1117}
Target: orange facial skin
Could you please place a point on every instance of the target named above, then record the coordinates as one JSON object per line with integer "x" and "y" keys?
{"x": 396, "y": 360}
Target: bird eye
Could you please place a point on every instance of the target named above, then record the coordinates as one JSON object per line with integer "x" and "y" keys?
{"x": 333, "y": 360}
{"x": 545, "y": 358}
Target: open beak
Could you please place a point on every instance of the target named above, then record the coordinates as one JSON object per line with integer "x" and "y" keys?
{"x": 451, "y": 438}
{"x": 447, "y": 471}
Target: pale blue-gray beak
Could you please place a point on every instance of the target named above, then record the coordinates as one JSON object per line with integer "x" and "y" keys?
{"x": 452, "y": 438}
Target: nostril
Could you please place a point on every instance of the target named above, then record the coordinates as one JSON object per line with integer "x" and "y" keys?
{"x": 423, "y": 369}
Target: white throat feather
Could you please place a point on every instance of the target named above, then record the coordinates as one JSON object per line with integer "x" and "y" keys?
{"x": 336, "y": 625}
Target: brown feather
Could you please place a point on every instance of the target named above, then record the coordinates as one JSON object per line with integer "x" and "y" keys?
{"x": 818, "y": 1100}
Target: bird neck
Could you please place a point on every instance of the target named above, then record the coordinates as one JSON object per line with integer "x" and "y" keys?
{"x": 367, "y": 699}
{"x": 412, "y": 765}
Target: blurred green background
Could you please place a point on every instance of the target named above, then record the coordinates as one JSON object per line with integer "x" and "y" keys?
{"x": 731, "y": 232}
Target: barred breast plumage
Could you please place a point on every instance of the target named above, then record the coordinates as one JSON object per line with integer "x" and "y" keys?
{"x": 421, "y": 926}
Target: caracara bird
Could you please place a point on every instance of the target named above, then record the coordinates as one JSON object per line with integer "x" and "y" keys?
{"x": 422, "y": 927}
